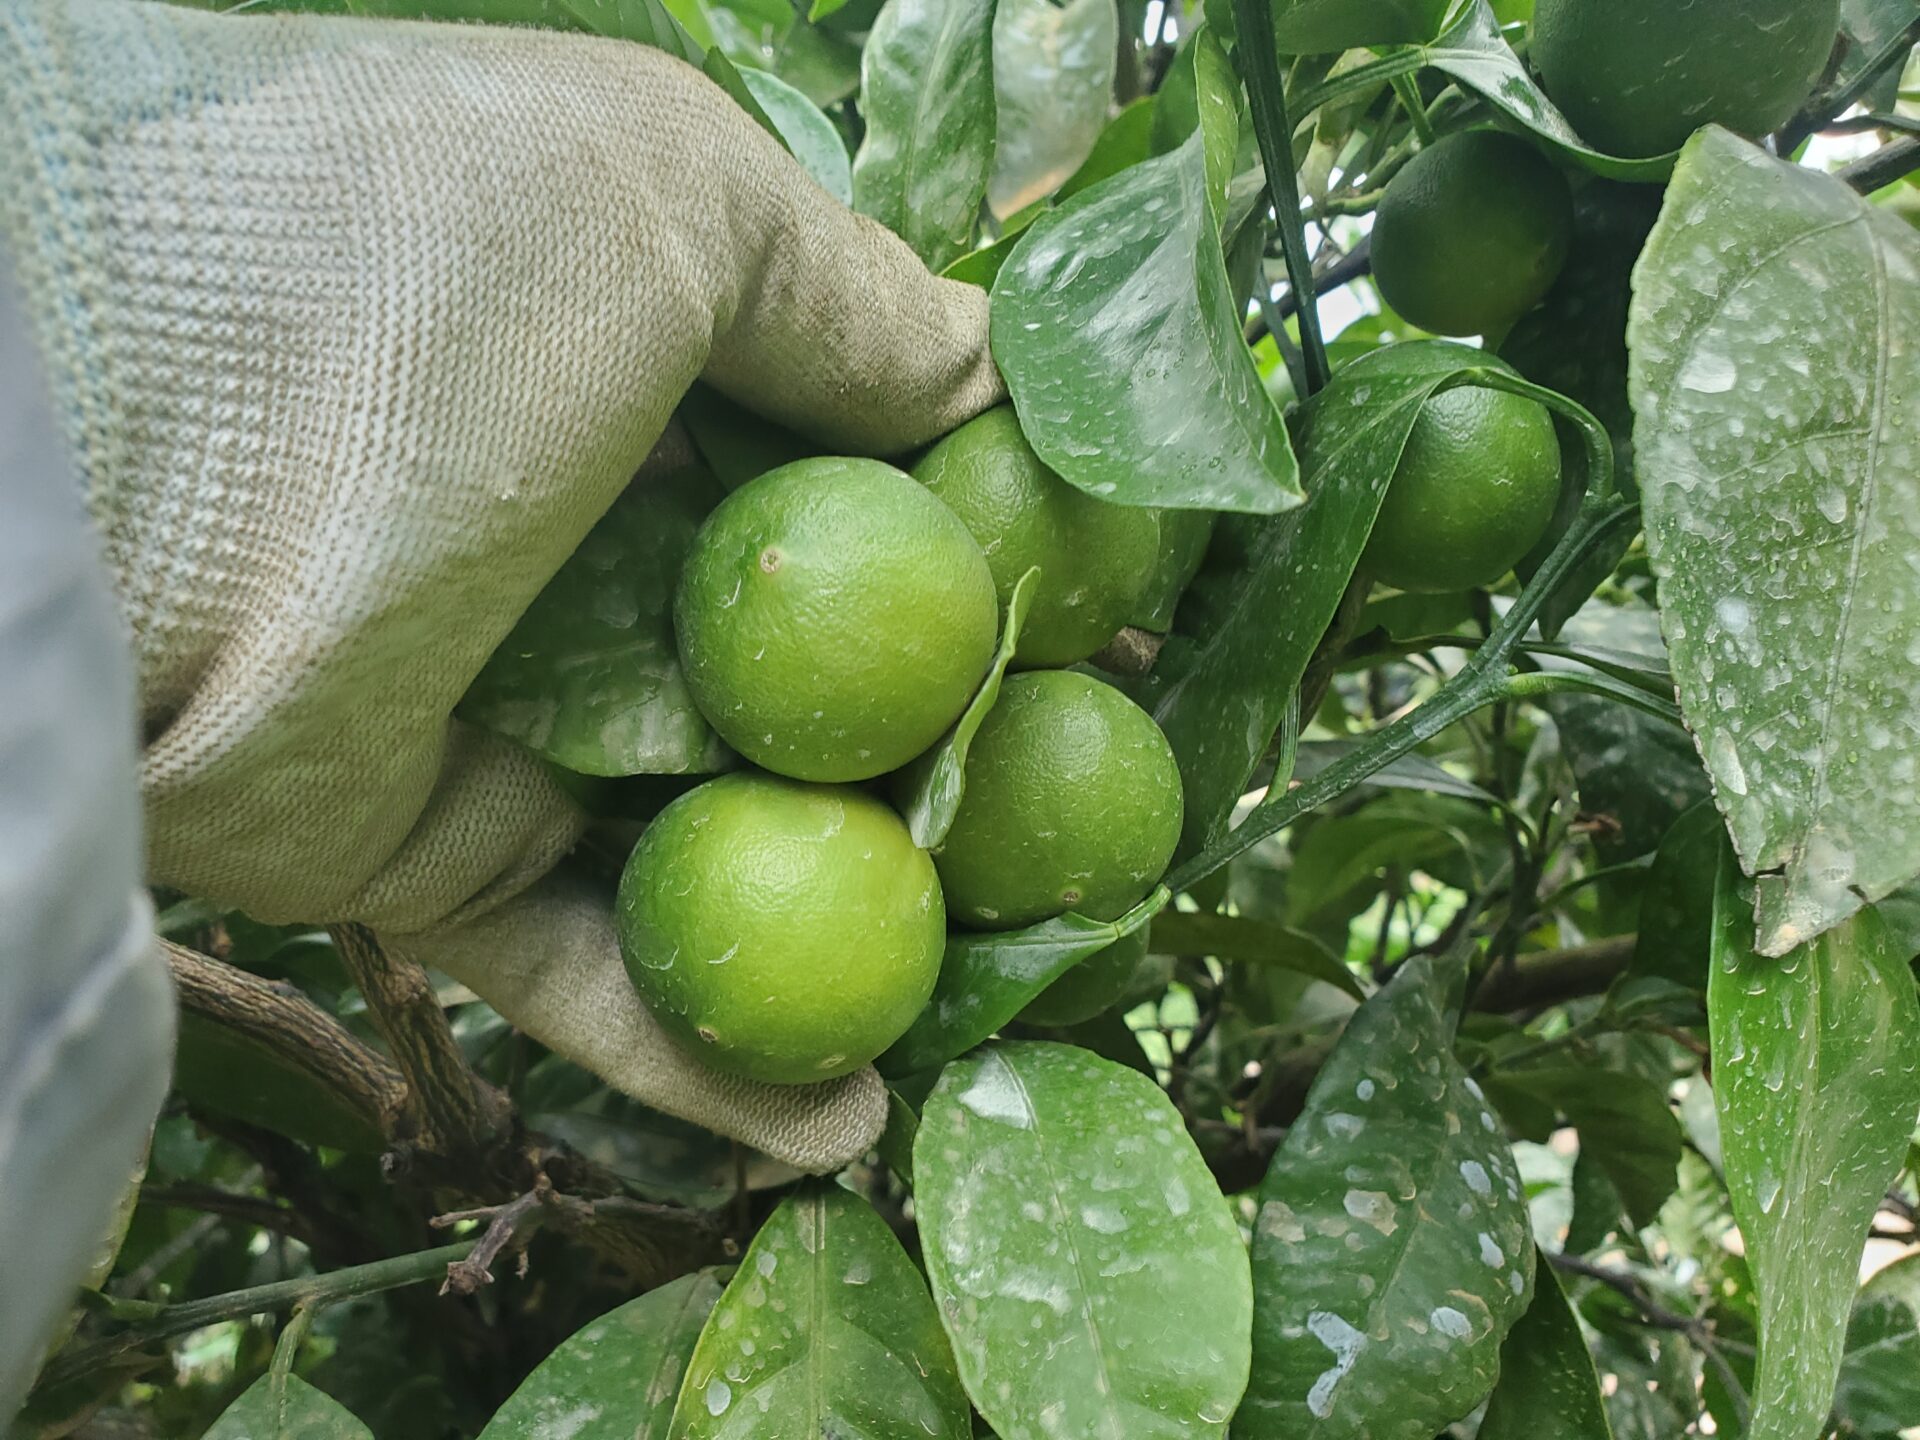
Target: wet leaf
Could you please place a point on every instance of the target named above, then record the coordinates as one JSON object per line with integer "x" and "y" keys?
{"x": 1052, "y": 82}
{"x": 1625, "y": 1125}
{"x": 825, "y": 1329}
{"x": 1817, "y": 1082}
{"x": 1393, "y": 1249}
{"x": 926, "y": 92}
{"x": 1087, "y": 1268}
{"x": 589, "y": 677}
{"x": 616, "y": 1378}
{"x": 934, "y": 783}
{"x": 1307, "y": 27}
{"x": 1474, "y": 52}
{"x": 1879, "y": 1390}
{"x": 1251, "y": 942}
{"x": 987, "y": 979}
{"x": 1114, "y": 324}
{"x": 1675, "y": 934}
{"x": 1548, "y": 1389}
{"x": 1779, "y": 452}
{"x": 1243, "y": 669}
{"x": 808, "y": 133}
{"x": 289, "y": 1410}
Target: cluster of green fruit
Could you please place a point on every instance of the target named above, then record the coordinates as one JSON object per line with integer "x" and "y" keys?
{"x": 834, "y": 619}
{"x": 1473, "y": 232}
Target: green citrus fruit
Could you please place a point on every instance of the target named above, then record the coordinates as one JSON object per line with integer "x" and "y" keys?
{"x": 833, "y": 619}
{"x": 782, "y": 931}
{"x": 1094, "y": 557}
{"x": 1476, "y": 488}
{"x": 1637, "y": 77}
{"x": 1072, "y": 802}
{"x": 1471, "y": 233}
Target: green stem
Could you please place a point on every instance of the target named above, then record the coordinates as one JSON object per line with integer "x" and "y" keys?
{"x": 165, "y": 1321}
{"x": 287, "y": 1347}
{"x": 1408, "y": 92}
{"x": 1260, "y": 67}
{"x": 1537, "y": 683}
{"x": 1359, "y": 79}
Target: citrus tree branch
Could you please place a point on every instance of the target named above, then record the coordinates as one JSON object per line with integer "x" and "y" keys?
{"x": 451, "y": 1108}
{"x": 295, "y": 1029}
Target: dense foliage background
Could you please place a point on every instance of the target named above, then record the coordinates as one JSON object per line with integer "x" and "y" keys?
{"x": 1479, "y": 946}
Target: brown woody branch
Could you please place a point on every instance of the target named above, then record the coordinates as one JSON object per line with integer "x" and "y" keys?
{"x": 452, "y": 1110}
{"x": 299, "y": 1032}
{"x": 456, "y": 1134}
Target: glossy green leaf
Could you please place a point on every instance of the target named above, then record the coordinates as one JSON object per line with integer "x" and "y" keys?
{"x": 1201, "y": 93}
{"x": 1879, "y": 1392}
{"x": 616, "y": 1378}
{"x": 1308, "y": 27}
{"x": 1867, "y": 27}
{"x": 1675, "y": 937}
{"x": 1779, "y": 449}
{"x": 290, "y": 1409}
{"x": 1816, "y": 1078}
{"x": 1222, "y": 710}
{"x": 1184, "y": 536}
{"x": 987, "y": 979}
{"x": 1126, "y": 140}
{"x": 1087, "y": 1268}
{"x": 1115, "y": 328}
{"x": 933, "y": 784}
{"x": 1625, "y": 1125}
{"x": 589, "y": 676}
{"x": 821, "y": 65}
{"x": 1548, "y": 1388}
{"x": 1393, "y": 1249}
{"x": 926, "y": 93}
{"x": 808, "y": 133}
{"x": 1475, "y": 53}
{"x": 1251, "y": 942}
{"x": 1052, "y": 81}
{"x": 826, "y": 1329}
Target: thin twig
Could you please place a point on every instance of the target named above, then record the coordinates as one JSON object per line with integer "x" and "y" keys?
{"x": 505, "y": 1226}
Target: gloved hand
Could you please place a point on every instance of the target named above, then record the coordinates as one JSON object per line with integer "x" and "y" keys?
{"x": 357, "y": 327}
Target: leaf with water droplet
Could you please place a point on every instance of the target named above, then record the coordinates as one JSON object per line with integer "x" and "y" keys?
{"x": 589, "y": 676}
{"x": 1385, "y": 1321}
{"x": 616, "y": 1377}
{"x": 1114, "y": 324}
{"x": 826, "y": 1329}
{"x": 1815, "y": 1118}
{"x": 1548, "y": 1389}
{"x": 1773, "y": 375}
{"x": 1086, "y": 1264}
{"x": 926, "y": 94}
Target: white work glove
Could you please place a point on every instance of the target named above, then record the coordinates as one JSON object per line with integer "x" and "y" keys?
{"x": 357, "y": 327}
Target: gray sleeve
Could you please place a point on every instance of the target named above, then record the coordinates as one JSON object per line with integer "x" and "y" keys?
{"x": 86, "y": 1011}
